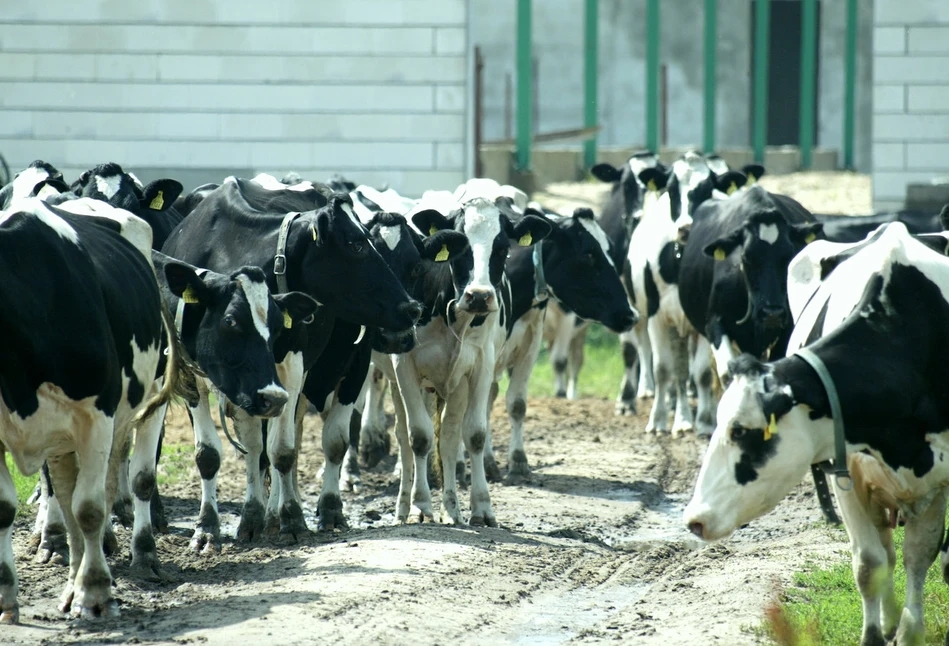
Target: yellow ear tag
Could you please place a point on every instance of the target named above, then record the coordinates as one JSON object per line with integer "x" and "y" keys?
{"x": 651, "y": 185}
{"x": 810, "y": 238}
{"x": 731, "y": 188}
{"x": 433, "y": 230}
{"x": 772, "y": 428}
{"x": 719, "y": 254}
{"x": 158, "y": 202}
{"x": 442, "y": 255}
{"x": 751, "y": 179}
{"x": 188, "y": 296}
{"x": 525, "y": 240}
{"x": 287, "y": 320}
{"x": 313, "y": 230}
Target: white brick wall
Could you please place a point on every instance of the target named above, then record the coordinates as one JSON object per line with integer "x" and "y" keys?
{"x": 375, "y": 89}
{"x": 910, "y": 96}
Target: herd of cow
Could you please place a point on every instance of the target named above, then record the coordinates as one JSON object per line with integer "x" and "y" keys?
{"x": 274, "y": 295}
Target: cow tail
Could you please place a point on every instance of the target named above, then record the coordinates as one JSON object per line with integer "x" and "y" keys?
{"x": 439, "y": 476}
{"x": 179, "y": 377}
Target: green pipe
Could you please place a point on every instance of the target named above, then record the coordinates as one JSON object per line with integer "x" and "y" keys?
{"x": 850, "y": 82}
{"x": 711, "y": 63}
{"x": 808, "y": 73}
{"x": 524, "y": 80}
{"x": 760, "y": 116}
{"x": 591, "y": 46}
{"x": 652, "y": 75}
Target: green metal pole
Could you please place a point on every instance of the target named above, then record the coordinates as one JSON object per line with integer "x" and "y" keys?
{"x": 762, "y": 23}
{"x": 652, "y": 75}
{"x": 524, "y": 105}
{"x": 711, "y": 64}
{"x": 850, "y": 82}
{"x": 808, "y": 65}
{"x": 591, "y": 45}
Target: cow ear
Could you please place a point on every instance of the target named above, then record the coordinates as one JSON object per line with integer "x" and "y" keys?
{"x": 49, "y": 187}
{"x": 296, "y": 306}
{"x": 944, "y": 217}
{"x": 730, "y": 182}
{"x": 754, "y": 172}
{"x": 606, "y": 173}
{"x": 776, "y": 403}
{"x": 804, "y": 234}
{"x": 530, "y": 229}
{"x": 161, "y": 194}
{"x": 720, "y": 249}
{"x": 653, "y": 179}
{"x": 443, "y": 245}
{"x": 428, "y": 221}
{"x": 184, "y": 282}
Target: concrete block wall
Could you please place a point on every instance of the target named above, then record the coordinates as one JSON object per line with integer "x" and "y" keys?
{"x": 198, "y": 89}
{"x": 910, "y": 97}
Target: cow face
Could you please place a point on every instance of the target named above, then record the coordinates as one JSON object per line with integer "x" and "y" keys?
{"x": 627, "y": 177}
{"x": 408, "y": 255}
{"x": 109, "y": 183}
{"x": 690, "y": 183}
{"x": 476, "y": 273}
{"x": 761, "y": 251}
{"x": 582, "y": 276}
{"x": 347, "y": 273}
{"x": 233, "y": 338}
{"x": 760, "y": 450}
{"x": 39, "y": 179}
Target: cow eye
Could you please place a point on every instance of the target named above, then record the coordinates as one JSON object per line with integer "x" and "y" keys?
{"x": 230, "y": 321}
{"x": 355, "y": 246}
{"x": 738, "y": 432}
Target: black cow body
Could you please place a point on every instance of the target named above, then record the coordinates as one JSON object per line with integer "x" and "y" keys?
{"x": 849, "y": 228}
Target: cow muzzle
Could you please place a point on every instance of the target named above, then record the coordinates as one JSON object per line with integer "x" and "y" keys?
{"x": 411, "y": 309}
{"x": 269, "y": 402}
{"x": 683, "y": 232}
{"x": 478, "y": 301}
{"x": 773, "y": 318}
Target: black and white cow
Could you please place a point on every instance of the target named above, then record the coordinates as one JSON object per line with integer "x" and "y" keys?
{"x": 774, "y": 421}
{"x": 81, "y": 349}
{"x": 328, "y": 256}
{"x": 849, "y": 228}
{"x": 39, "y": 179}
{"x": 572, "y": 266}
{"x": 455, "y": 355}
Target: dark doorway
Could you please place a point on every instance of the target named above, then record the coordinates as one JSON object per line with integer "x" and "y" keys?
{"x": 784, "y": 72}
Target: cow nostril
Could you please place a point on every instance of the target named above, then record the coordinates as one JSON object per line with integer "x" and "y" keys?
{"x": 697, "y": 528}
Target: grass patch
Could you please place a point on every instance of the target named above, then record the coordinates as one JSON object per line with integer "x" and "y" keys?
{"x": 824, "y": 605}
{"x": 176, "y": 463}
{"x": 24, "y": 484}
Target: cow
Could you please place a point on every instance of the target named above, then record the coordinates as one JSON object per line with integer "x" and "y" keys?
{"x": 850, "y": 228}
{"x": 39, "y": 179}
{"x": 572, "y": 266}
{"x": 81, "y": 348}
{"x": 565, "y": 334}
{"x": 892, "y": 430}
{"x": 455, "y": 356}
{"x": 308, "y": 241}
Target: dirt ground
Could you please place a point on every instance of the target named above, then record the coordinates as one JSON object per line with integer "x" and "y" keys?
{"x": 591, "y": 551}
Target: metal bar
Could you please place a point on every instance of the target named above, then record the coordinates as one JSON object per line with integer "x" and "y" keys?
{"x": 808, "y": 72}
{"x": 652, "y": 75}
{"x": 479, "y": 110}
{"x": 591, "y": 46}
{"x": 850, "y": 82}
{"x": 663, "y": 105}
{"x": 711, "y": 65}
{"x": 524, "y": 81}
{"x": 762, "y": 33}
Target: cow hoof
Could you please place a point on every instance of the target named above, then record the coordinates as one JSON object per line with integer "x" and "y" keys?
{"x": 678, "y": 431}
{"x": 491, "y": 469}
{"x": 561, "y": 394}
{"x": 626, "y": 408}
{"x": 145, "y": 567}
{"x": 486, "y": 520}
{"x": 518, "y": 471}
{"x": 107, "y": 610}
{"x": 251, "y": 526}
{"x": 53, "y": 547}
{"x": 375, "y": 448}
{"x": 330, "y": 510}
{"x": 204, "y": 541}
{"x": 122, "y": 509}
{"x": 110, "y": 544}
{"x": 425, "y": 512}
{"x": 10, "y": 615}
{"x": 159, "y": 521}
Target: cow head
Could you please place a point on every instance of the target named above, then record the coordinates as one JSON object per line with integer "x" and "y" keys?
{"x": 39, "y": 179}
{"x": 109, "y": 183}
{"x": 232, "y": 330}
{"x": 476, "y": 272}
{"x": 346, "y": 271}
{"x": 762, "y": 447}
{"x": 690, "y": 183}
{"x": 408, "y": 255}
{"x": 761, "y": 250}
{"x": 581, "y": 274}
{"x": 626, "y": 178}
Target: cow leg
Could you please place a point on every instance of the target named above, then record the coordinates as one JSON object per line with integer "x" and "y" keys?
{"x": 336, "y": 426}
{"x": 406, "y": 462}
{"x": 920, "y": 548}
{"x": 9, "y": 583}
{"x": 207, "y": 457}
{"x": 722, "y": 350}
{"x": 516, "y": 400}
{"x": 575, "y": 360}
{"x": 250, "y": 434}
{"x": 664, "y": 357}
{"x": 421, "y": 433}
{"x": 702, "y": 375}
{"x": 284, "y": 504}
{"x": 159, "y": 521}
{"x": 944, "y": 559}
{"x": 50, "y": 523}
{"x": 474, "y": 431}
{"x": 680, "y": 371}
{"x": 560, "y": 352}
{"x": 145, "y": 562}
{"x": 374, "y": 442}
{"x": 449, "y": 443}
{"x": 122, "y": 507}
{"x": 491, "y": 469}
{"x": 350, "y": 478}
{"x": 81, "y": 481}
{"x": 871, "y": 543}
{"x": 626, "y": 402}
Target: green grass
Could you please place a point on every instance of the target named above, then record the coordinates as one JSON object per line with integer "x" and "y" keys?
{"x": 24, "y": 484}
{"x": 824, "y": 604}
{"x": 176, "y": 464}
